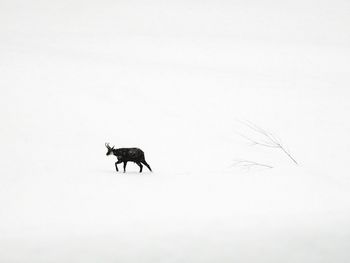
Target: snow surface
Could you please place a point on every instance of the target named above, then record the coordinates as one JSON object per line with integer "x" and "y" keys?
{"x": 175, "y": 79}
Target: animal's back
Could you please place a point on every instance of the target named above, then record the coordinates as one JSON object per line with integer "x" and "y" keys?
{"x": 132, "y": 153}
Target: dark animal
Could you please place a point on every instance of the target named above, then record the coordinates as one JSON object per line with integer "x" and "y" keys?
{"x": 125, "y": 155}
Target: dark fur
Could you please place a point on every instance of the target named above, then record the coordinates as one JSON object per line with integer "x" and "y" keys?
{"x": 126, "y": 155}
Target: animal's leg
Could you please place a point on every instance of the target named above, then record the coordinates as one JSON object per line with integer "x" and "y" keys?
{"x": 140, "y": 165}
{"x": 145, "y": 163}
{"x": 125, "y": 166}
{"x": 116, "y": 165}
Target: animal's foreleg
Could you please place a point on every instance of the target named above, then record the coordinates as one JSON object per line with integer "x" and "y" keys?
{"x": 125, "y": 166}
{"x": 116, "y": 165}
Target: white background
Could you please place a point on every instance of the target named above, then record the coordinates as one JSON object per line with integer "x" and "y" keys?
{"x": 174, "y": 78}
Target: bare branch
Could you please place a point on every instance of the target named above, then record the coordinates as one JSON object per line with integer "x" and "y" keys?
{"x": 245, "y": 164}
{"x": 269, "y": 139}
{"x": 255, "y": 142}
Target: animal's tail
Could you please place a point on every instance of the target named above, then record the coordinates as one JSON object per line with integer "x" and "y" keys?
{"x": 145, "y": 163}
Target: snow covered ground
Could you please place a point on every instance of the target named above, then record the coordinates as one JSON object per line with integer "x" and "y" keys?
{"x": 175, "y": 79}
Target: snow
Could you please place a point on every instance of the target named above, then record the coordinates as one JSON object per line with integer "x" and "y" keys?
{"x": 176, "y": 80}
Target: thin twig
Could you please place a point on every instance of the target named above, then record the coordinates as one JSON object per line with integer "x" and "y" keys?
{"x": 269, "y": 140}
{"x": 250, "y": 164}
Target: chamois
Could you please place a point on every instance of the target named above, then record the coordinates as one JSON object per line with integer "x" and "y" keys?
{"x": 125, "y": 155}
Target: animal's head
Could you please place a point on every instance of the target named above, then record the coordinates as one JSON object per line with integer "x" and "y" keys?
{"x": 109, "y": 149}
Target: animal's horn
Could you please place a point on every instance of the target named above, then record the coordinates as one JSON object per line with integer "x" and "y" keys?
{"x": 107, "y": 145}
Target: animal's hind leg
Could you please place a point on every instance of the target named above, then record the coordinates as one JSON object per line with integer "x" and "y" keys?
{"x": 140, "y": 165}
{"x": 145, "y": 163}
